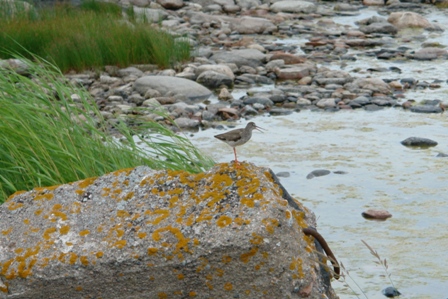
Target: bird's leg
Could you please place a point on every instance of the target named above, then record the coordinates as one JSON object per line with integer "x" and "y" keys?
{"x": 236, "y": 159}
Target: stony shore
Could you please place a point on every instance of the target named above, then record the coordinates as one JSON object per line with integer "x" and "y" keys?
{"x": 238, "y": 45}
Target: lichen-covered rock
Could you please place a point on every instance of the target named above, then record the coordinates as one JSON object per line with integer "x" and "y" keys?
{"x": 141, "y": 233}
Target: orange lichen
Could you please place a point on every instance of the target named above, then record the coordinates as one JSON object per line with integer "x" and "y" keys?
{"x": 59, "y": 214}
{"x": 299, "y": 216}
{"x": 209, "y": 285}
{"x": 257, "y": 239}
{"x": 162, "y": 295}
{"x": 228, "y": 286}
{"x": 64, "y": 229}
{"x": 14, "y": 206}
{"x": 48, "y": 232}
{"x": 123, "y": 213}
{"x": 47, "y": 196}
{"x": 205, "y": 214}
{"x": 73, "y": 258}
{"x": 249, "y": 202}
{"x": 141, "y": 235}
{"x": 6, "y": 231}
{"x": 152, "y": 250}
{"x": 99, "y": 254}
{"x": 219, "y": 272}
{"x": 296, "y": 264}
{"x": 163, "y": 214}
{"x": 241, "y": 221}
{"x": 61, "y": 257}
{"x": 18, "y": 250}
{"x": 245, "y": 257}
{"x": 38, "y": 212}
{"x": 182, "y": 241}
{"x": 87, "y": 182}
{"x": 226, "y": 259}
{"x": 223, "y": 221}
{"x": 128, "y": 196}
{"x": 270, "y": 224}
{"x": 84, "y": 232}
{"x": 192, "y": 294}
{"x": 26, "y": 221}
{"x": 180, "y": 276}
{"x": 84, "y": 260}
{"x": 196, "y": 242}
{"x": 120, "y": 244}
{"x": 78, "y": 288}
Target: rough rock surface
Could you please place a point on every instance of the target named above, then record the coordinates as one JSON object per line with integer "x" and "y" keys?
{"x": 141, "y": 233}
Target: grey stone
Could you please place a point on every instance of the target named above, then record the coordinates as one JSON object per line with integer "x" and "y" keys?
{"x": 419, "y": 142}
{"x": 295, "y": 6}
{"x": 172, "y": 86}
{"x": 212, "y": 79}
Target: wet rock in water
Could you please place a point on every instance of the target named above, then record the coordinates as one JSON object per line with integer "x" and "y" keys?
{"x": 283, "y": 174}
{"x": 280, "y": 111}
{"x": 391, "y": 292}
{"x": 426, "y": 109}
{"x": 340, "y": 172}
{"x": 418, "y": 142}
{"x": 372, "y": 214}
{"x": 441, "y": 155}
{"x": 317, "y": 173}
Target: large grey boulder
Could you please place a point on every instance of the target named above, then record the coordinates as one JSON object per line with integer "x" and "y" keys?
{"x": 243, "y": 57}
{"x": 172, "y": 86}
{"x": 294, "y": 6}
{"x": 142, "y": 233}
{"x": 409, "y": 19}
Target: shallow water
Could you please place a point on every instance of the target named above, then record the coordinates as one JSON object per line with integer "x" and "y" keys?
{"x": 380, "y": 174}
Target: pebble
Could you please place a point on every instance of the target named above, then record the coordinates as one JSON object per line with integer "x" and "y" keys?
{"x": 376, "y": 214}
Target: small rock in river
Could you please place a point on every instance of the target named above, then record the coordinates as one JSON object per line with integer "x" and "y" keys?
{"x": 317, "y": 173}
{"x": 376, "y": 214}
{"x": 442, "y": 155}
{"x": 283, "y": 174}
{"x": 391, "y": 292}
{"x": 419, "y": 142}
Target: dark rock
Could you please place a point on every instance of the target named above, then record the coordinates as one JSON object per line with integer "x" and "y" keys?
{"x": 426, "y": 109}
{"x": 260, "y": 100}
{"x": 442, "y": 155}
{"x": 317, "y": 173}
{"x": 376, "y": 214}
{"x": 391, "y": 292}
{"x": 359, "y": 101}
{"x": 372, "y": 107}
{"x": 280, "y": 111}
{"x": 419, "y": 142}
{"x": 340, "y": 172}
{"x": 283, "y": 174}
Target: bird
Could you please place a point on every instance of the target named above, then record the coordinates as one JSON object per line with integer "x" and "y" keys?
{"x": 238, "y": 137}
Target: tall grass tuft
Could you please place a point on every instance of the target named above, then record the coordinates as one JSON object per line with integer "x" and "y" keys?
{"x": 91, "y": 36}
{"x": 50, "y": 137}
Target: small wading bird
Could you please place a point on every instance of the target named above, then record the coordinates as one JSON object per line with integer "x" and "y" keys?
{"x": 238, "y": 137}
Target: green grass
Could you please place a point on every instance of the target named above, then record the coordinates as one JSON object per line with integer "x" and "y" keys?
{"x": 49, "y": 139}
{"x": 91, "y": 36}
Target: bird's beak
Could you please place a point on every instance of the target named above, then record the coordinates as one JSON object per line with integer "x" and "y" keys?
{"x": 260, "y": 129}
